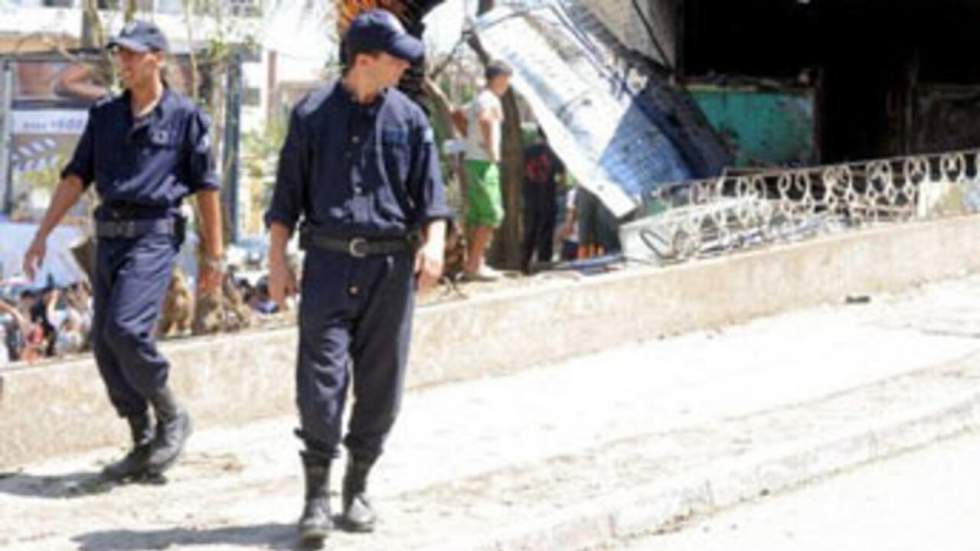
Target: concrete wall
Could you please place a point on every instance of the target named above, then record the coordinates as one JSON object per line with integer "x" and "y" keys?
{"x": 56, "y": 409}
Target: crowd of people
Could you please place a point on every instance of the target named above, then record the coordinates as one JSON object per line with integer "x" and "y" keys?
{"x": 242, "y": 302}
{"x": 51, "y": 322}
{"x": 55, "y": 322}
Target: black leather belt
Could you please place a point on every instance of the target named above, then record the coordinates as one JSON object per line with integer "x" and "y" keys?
{"x": 129, "y": 229}
{"x": 132, "y": 211}
{"x": 357, "y": 247}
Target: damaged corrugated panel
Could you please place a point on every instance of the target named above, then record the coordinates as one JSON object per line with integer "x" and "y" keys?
{"x": 621, "y": 128}
{"x": 672, "y": 109}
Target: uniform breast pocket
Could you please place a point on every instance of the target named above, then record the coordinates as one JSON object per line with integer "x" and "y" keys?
{"x": 394, "y": 163}
{"x": 159, "y": 158}
{"x": 396, "y": 154}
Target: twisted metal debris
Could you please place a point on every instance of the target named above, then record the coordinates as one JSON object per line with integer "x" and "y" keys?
{"x": 739, "y": 211}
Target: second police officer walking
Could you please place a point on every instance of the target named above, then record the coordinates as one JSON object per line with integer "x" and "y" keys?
{"x": 146, "y": 150}
{"x": 360, "y": 170}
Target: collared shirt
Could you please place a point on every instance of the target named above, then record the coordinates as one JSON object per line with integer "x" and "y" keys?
{"x": 349, "y": 169}
{"x": 148, "y": 164}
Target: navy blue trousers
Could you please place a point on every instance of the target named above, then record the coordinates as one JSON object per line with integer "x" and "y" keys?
{"x": 131, "y": 279}
{"x": 355, "y": 324}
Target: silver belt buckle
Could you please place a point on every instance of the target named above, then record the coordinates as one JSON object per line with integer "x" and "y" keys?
{"x": 357, "y": 247}
{"x": 129, "y": 229}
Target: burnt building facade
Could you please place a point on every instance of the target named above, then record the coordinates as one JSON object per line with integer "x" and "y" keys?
{"x": 888, "y": 77}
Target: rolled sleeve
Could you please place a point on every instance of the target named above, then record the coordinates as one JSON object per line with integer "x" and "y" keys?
{"x": 201, "y": 173}
{"x": 426, "y": 185}
{"x": 291, "y": 176}
{"x": 82, "y": 163}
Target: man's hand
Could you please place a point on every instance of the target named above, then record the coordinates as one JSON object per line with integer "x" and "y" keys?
{"x": 430, "y": 258}
{"x": 210, "y": 275}
{"x": 34, "y": 257}
{"x": 65, "y": 195}
{"x": 282, "y": 282}
{"x": 428, "y": 265}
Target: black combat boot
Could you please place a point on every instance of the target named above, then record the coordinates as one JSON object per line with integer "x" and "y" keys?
{"x": 135, "y": 462}
{"x": 315, "y": 524}
{"x": 358, "y": 514}
{"x": 173, "y": 429}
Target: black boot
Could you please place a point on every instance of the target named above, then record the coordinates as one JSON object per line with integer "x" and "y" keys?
{"x": 315, "y": 524}
{"x": 173, "y": 429}
{"x": 358, "y": 514}
{"x": 135, "y": 462}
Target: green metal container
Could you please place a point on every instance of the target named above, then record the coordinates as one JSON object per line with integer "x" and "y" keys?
{"x": 763, "y": 127}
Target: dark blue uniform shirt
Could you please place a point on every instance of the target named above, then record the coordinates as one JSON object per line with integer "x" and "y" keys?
{"x": 147, "y": 166}
{"x": 350, "y": 169}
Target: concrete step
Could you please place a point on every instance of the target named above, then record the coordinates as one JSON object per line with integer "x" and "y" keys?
{"x": 570, "y": 455}
{"x": 501, "y": 333}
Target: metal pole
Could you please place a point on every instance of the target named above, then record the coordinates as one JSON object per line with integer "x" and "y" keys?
{"x": 88, "y": 14}
{"x": 6, "y": 104}
{"x": 233, "y": 110}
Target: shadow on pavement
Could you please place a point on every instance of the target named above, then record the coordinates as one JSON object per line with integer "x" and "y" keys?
{"x": 70, "y": 485}
{"x": 261, "y": 536}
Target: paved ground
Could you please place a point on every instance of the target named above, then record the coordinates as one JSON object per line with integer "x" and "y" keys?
{"x": 470, "y": 458}
{"x": 921, "y": 500}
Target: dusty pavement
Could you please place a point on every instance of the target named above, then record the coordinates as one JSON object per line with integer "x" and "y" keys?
{"x": 921, "y": 500}
{"x": 508, "y": 462}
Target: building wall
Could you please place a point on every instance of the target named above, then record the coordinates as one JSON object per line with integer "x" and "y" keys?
{"x": 948, "y": 118}
{"x": 621, "y": 18}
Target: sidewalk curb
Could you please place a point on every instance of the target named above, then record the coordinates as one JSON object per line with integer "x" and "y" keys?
{"x": 653, "y": 508}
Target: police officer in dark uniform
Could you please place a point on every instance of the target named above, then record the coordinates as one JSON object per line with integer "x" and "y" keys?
{"x": 145, "y": 150}
{"x": 360, "y": 168}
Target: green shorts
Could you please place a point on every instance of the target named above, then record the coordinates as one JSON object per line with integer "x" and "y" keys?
{"x": 486, "y": 206}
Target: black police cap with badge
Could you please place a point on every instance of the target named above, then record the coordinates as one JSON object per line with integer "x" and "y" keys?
{"x": 380, "y": 31}
{"x": 140, "y": 36}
